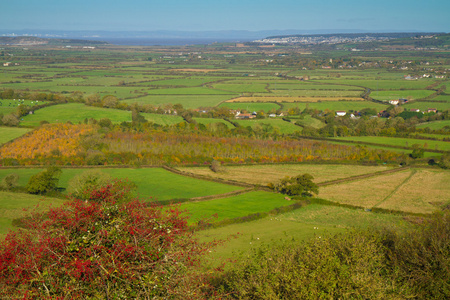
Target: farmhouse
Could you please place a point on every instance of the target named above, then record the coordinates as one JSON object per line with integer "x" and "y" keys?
{"x": 245, "y": 116}
{"x": 414, "y": 110}
{"x": 434, "y": 110}
{"x": 394, "y": 102}
{"x": 341, "y": 113}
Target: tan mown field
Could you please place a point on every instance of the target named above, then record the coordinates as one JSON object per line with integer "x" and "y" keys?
{"x": 293, "y": 99}
{"x": 365, "y": 192}
{"x": 264, "y": 174}
{"x": 422, "y": 193}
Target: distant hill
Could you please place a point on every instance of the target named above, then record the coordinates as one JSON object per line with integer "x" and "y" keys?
{"x": 33, "y": 41}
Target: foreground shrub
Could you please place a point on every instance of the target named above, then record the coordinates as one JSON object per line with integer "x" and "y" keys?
{"x": 45, "y": 181}
{"x": 103, "y": 249}
{"x": 411, "y": 263}
{"x": 322, "y": 269}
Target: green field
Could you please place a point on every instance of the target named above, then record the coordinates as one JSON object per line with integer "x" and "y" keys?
{"x": 337, "y": 105}
{"x": 425, "y": 105}
{"x": 435, "y": 125}
{"x": 208, "y": 121}
{"x": 9, "y": 133}
{"x": 305, "y": 223}
{"x": 261, "y": 125}
{"x": 381, "y": 84}
{"x": 402, "y": 142}
{"x": 74, "y": 112}
{"x": 234, "y": 207}
{"x": 251, "y": 106}
{"x": 163, "y": 119}
{"x": 14, "y": 205}
{"x": 188, "y": 101}
{"x": 396, "y": 94}
{"x": 152, "y": 182}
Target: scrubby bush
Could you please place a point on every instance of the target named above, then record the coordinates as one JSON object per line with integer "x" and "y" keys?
{"x": 9, "y": 181}
{"x": 81, "y": 185}
{"x": 297, "y": 185}
{"x": 104, "y": 249}
{"x": 44, "y": 181}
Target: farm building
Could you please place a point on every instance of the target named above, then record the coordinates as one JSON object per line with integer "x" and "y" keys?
{"x": 341, "y": 113}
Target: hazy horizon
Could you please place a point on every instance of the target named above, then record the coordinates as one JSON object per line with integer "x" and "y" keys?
{"x": 246, "y": 15}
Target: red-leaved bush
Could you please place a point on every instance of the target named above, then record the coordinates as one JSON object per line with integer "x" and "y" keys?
{"x": 103, "y": 249}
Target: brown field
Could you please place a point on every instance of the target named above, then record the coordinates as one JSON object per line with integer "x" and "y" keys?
{"x": 293, "y": 99}
{"x": 264, "y": 174}
{"x": 422, "y": 193}
{"x": 365, "y": 192}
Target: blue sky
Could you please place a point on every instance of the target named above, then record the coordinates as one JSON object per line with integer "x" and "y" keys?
{"x": 203, "y": 15}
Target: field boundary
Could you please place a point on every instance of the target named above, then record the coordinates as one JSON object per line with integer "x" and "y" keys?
{"x": 413, "y": 172}
{"x": 363, "y": 176}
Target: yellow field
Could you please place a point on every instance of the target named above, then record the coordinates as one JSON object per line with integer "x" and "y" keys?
{"x": 365, "y": 192}
{"x": 293, "y": 99}
{"x": 264, "y": 174}
{"x": 422, "y": 193}
{"x": 415, "y": 191}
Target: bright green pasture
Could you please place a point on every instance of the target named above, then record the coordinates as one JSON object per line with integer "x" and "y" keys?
{"x": 206, "y": 121}
{"x": 185, "y": 82}
{"x": 251, "y": 106}
{"x": 309, "y": 121}
{"x": 385, "y": 84}
{"x": 189, "y": 91}
{"x": 311, "y": 221}
{"x": 284, "y": 126}
{"x": 242, "y": 88}
{"x": 162, "y": 119}
{"x": 74, "y": 112}
{"x": 313, "y": 93}
{"x": 311, "y": 86}
{"x": 9, "y": 133}
{"x": 152, "y": 182}
{"x": 10, "y": 106}
{"x": 389, "y": 95}
{"x": 402, "y": 142}
{"x": 435, "y": 125}
{"x": 442, "y": 98}
{"x": 14, "y": 205}
{"x": 336, "y": 105}
{"x": 425, "y": 105}
{"x": 236, "y": 206}
{"x": 188, "y": 101}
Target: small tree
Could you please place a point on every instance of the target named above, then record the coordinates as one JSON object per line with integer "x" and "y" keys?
{"x": 298, "y": 185}
{"x": 9, "y": 181}
{"x": 44, "y": 181}
{"x": 216, "y": 166}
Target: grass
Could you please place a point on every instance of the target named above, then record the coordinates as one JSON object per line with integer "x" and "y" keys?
{"x": 74, "y": 112}
{"x": 250, "y": 106}
{"x": 309, "y": 121}
{"x": 435, "y": 125}
{"x": 396, "y": 94}
{"x": 163, "y": 119}
{"x": 401, "y": 142}
{"x": 314, "y": 93}
{"x": 425, "y": 105}
{"x": 337, "y": 105}
{"x": 152, "y": 182}
{"x": 283, "y": 126}
{"x": 207, "y": 121}
{"x": 264, "y": 174}
{"x": 10, "y": 133}
{"x": 291, "y": 99}
{"x": 311, "y": 221}
{"x": 381, "y": 84}
{"x": 234, "y": 207}
{"x": 17, "y": 205}
{"x": 188, "y": 101}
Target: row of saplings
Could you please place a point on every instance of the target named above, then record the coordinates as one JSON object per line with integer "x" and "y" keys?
{"x": 103, "y": 243}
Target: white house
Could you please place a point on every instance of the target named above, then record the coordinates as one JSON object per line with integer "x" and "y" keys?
{"x": 341, "y": 113}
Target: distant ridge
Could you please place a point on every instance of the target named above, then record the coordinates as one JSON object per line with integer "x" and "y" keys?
{"x": 33, "y": 41}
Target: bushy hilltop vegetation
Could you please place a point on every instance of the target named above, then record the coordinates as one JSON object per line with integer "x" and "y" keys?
{"x": 327, "y": 170}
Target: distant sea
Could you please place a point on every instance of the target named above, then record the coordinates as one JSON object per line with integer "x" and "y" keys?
{"x": 164, "y": 41}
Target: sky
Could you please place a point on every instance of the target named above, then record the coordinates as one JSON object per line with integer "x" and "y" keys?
{"x": 206, "y": 15}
